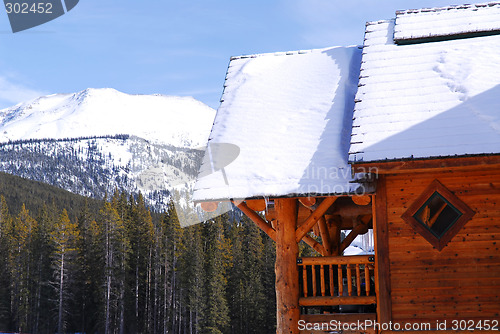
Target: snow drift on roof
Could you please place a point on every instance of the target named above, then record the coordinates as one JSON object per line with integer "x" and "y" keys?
{"x": 447, "y": 22}
{"x": 426, "y": 100}
{"x": 290, "y": 116}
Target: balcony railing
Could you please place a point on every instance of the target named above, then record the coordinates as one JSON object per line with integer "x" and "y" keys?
{"x": 337, "y": 280}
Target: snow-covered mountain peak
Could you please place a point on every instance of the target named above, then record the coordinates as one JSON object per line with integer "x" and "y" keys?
{"x": 177, "y": 121}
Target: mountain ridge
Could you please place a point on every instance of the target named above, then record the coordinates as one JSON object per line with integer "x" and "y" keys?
{"x": 97, "y": 141}
{"x": 179, "y": 121}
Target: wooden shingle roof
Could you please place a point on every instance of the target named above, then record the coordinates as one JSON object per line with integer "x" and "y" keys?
{"x": 430, "y": 99}
{"x": 290, "y": 116}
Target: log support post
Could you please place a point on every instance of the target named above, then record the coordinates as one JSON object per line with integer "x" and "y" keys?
{"x": 335, "y": 227}
{"x": 287, "y": 274}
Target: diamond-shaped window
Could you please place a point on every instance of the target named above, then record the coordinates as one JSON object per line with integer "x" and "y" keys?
{"x": 437, "y": 214}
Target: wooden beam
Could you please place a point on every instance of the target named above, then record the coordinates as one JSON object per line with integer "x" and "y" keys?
{"x": 382, "y": 262}
{"x": 287, "y": 273}
{"x": 350, "y": 210}
{"x": 303, "y": 213}
{"x": 330, "y": 301}
{"x": 424, "y": 165}
{"x": 313, "y": 218}
{"x": 339, "y": 317}
{"x": 335, "y": 225}
{"x": 314, "y": 244}
{"x": 352, "y": 259}
{"x": 254, "y": 216}
{"x": 325, "y": 236}
{"x": 307, "y": 201}
{"x": 362, "y": 199}
{"x": 256, "y": 204}
{"x": 352, "y": 235}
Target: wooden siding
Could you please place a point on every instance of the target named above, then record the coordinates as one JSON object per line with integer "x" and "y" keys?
{"x": 462, "y": 281}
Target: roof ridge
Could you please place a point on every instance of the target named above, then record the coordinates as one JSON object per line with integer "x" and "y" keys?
{"x": 451, "y": 7}
{"x": 370, "y": 23}
{"x": 288, "y": 53}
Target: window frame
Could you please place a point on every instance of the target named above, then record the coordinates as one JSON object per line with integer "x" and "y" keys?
{"x": 438, "y": 242}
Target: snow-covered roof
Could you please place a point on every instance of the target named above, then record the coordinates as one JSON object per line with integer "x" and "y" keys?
{"x": 290, "y": 115}
{"x": 431, "y": 99}
{"x": 447, "y": 22}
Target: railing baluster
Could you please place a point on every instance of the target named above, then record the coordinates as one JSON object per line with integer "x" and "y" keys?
{"x": 330, "y": 267}
{"x": 358, "y": 279}
{"x": 313, "y": 267}
{"x": 367, "y": 280}
{"x": 341, "y": 285}
{"x": 322, "y": 275}
{"x": 358, "y": 272}
{"x": 349, "y": 280}
{"x": 304, "y": 279}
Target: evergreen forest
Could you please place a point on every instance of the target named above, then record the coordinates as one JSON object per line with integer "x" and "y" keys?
{"x": 75, "y": 265}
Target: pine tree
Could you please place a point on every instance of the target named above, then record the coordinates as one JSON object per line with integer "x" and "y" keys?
{"x": 140, "y": 231}
{"x": 193, "y": 276}
{"x": 44, "y": 302}
{"x": 268, "y": 283}
{"x": 236, "y": 280}
{"x": 20, "y": 234}
{"x": 170, "y": 249}
{"x": 65, "y": 237}
{"x": 84, "y": 306}
{"x": 5, "y": 222}
{"x": 217, "y": 261}
{"x": 115, "y": 247}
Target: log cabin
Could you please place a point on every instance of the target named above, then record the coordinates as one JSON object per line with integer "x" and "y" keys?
{"x": 399, "y": 138}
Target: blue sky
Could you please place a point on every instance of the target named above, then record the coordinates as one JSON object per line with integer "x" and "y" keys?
{"x": 172, "y": 47}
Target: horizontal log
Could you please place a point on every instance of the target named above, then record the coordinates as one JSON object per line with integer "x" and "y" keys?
{"x": 328, "y": 260}
{"x": 397, "y": 284}
{"x": 362, "y": 199}
{"x": 409, "y": 317}
{"x": 415, "y": 298}
{"x": 256, "y": 204}
{"x": 464, "y": 260}
{"x": 430, "y": 165}
{"x": 447, "y": 291}
{"x": 418, "y": 179}
{"x": 350, "y": 210}
{"x": 488, "y": 228}
{"x": 417, "y": 242}
{"x": 441, "y": 308}
{"x": 342, "y": 317}
{"x": 334, "y": 301}
{"x": 347, "y": 210}
{"x": 446, "y": 269}
{"x": 419, "y": 274}
{"x": 462, "y": 182}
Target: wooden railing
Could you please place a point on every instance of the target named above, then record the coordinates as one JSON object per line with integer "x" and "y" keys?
{"x": 337, "y": 280}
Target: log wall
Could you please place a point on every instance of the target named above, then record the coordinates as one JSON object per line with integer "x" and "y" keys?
{"x": 462, "y": 281}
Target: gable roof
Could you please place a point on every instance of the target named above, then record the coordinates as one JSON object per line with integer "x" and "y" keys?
{"x": 435, "y": 99}
{"x": 445, "y": 23}
{"x": 290, "y": 116}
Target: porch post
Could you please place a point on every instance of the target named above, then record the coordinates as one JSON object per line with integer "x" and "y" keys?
{"x": 287, "y": 274}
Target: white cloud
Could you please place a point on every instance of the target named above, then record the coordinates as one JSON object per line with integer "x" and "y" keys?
{"x": 12, "y": 92}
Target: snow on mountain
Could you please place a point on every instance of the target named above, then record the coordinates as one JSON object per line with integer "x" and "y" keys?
{"x": 99, "y": 140}
{"x": 178, "y": 121}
